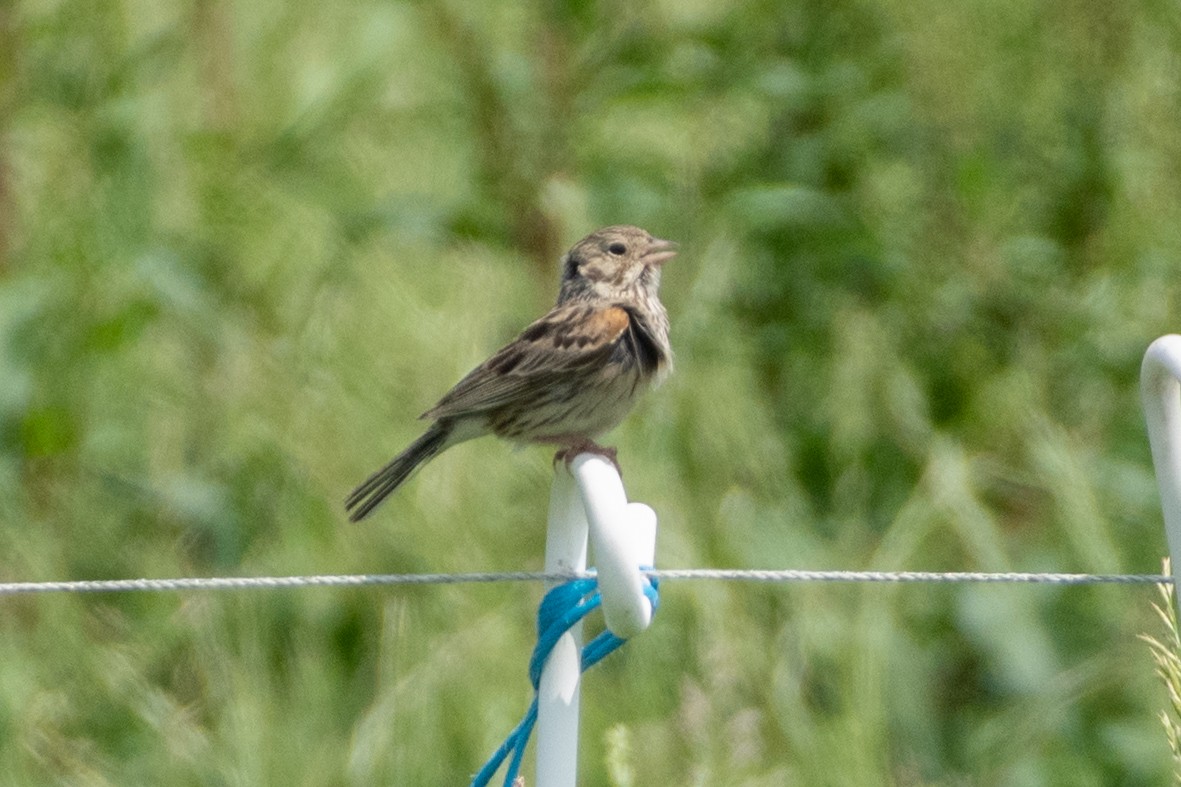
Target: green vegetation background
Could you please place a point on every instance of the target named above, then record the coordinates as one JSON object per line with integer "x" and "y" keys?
{"x": 243, "y": 245}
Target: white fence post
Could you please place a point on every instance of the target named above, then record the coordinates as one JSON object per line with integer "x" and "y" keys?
{"x": 624, "y": 538}
{"x": 558, "y": 690}
{"x": 1160, "y": 394}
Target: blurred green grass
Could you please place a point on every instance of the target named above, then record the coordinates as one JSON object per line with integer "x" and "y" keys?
{"x": 242, "y": 246}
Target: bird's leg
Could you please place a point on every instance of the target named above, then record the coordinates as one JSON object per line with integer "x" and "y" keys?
{"x": 587, "y": 446}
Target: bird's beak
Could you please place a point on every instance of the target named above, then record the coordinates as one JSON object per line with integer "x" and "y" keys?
{"x": 660, "y": 251}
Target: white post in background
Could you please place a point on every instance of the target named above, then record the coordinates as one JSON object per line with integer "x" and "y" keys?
{"x": 624, "y": 538}
{"x": 1160, "y": 394}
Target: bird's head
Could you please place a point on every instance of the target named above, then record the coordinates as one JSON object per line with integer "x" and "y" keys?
{"x": 614, "y": 263}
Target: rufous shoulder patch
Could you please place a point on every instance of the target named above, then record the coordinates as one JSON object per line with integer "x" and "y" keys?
{"x": 608, "y": 323}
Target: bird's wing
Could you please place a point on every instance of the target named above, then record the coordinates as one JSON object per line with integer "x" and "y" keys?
{"x": 567, "y": 338}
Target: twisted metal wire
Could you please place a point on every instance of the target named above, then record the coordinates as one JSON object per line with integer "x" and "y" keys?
{"x": 728, "y": 575}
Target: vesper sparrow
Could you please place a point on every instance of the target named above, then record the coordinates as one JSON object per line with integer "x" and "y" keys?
{"x": 570, "y": 376}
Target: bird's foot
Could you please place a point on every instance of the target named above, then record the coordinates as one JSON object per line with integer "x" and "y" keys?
{"x": 587, "y": 446}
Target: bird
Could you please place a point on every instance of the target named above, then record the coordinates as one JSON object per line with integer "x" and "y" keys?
{"x": 570, "y": 376}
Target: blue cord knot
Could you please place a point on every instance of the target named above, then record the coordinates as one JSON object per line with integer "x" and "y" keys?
{"x": 561, "y": 608}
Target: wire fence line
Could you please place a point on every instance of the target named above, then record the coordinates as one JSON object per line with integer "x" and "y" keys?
{"x": 728, "y": 575}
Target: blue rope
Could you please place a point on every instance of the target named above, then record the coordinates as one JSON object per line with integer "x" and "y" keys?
{"x": 561, "y": 608}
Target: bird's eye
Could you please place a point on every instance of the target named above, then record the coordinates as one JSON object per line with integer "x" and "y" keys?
{"x": 617, "y": 249}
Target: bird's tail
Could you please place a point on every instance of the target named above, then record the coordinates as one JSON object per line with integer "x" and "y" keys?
{"x": 377, "y": 487}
